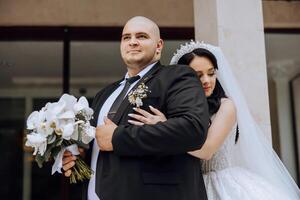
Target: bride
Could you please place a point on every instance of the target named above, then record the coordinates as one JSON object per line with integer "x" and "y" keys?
{"x": 238, "y": 162}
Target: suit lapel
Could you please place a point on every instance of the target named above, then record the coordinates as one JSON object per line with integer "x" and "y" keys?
{"x": 125, "y": 104}
{"x": 99, "y": 103}
{"x": 103, "y": 98}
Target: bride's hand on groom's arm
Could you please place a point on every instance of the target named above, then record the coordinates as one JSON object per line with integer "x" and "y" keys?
{"x": 145, "y": 117}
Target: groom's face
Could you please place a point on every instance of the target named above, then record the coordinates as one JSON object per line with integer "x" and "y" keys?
{"x": 140, "y": 45}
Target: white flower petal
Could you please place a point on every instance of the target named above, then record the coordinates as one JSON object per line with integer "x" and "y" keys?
{"x": 81, "y": 104}
{"x": 36, "y": 139}
{"x": 38, "y": 142}
{"x": 74, "y": 136}
{"x": 69, "y": 100}
{"x": 32, "y": 119}
{"x": 89, "y": 111}
{"x": 43, "y": 148}
{"x": 67, "y": 115}
{"x": 57, "y": 107}
{"x": 46, "y": 106}
{"x": 67, "y": 131}
{"x": 49, "y": 130}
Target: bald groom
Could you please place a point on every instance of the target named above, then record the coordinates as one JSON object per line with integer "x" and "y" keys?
{"x": 148, "y": 162}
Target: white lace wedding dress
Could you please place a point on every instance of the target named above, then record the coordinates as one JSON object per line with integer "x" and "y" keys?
{"x": 224, "y": 181}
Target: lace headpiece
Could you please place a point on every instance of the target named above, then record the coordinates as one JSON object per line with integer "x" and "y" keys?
{"x": 188, "y": 48}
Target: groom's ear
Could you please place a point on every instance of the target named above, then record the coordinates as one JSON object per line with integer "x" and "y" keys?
{"x": 159, "y": 45}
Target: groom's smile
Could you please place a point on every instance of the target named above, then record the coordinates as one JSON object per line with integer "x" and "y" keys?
{"x": 134, "y": 51}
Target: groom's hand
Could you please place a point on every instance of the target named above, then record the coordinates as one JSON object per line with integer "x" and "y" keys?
{"x": 104, "y": 135}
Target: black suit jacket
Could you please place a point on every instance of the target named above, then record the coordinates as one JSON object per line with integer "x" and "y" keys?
{"x": 150, "y": 161}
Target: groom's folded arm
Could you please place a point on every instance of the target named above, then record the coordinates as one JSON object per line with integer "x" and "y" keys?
{"x": 186, "y": 127}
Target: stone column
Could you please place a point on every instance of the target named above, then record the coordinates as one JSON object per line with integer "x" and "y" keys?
{"x": 282, "y": 72}
{"x": 237, "y": 27}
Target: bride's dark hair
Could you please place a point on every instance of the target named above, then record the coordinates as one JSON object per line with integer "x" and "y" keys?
{"x": 214, "y": 100}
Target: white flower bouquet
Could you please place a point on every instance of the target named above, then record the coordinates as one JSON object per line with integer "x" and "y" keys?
{"x": 60, "y": 126}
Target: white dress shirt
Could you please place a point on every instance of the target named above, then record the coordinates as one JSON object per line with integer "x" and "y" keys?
{"x": 103, "y": 112}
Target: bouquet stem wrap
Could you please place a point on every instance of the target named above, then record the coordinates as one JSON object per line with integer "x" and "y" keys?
{"x": 80, "y": 171}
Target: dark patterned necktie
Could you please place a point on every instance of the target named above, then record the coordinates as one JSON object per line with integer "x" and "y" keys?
{"x": 115, "y": 106}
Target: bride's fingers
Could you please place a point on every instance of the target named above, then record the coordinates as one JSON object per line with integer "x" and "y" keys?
{"x": 139, "y": 118}
{"x": 143, "y": 112}
{"x": 156, "y": 111}
{"x": 135, "y": 123}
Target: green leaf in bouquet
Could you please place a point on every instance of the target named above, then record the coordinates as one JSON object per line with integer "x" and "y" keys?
{"x": 40, "y": 160}
{"x": 59, "y": 141}
{"x": 47, "y": 154}
{"x": 51, "y": 138}
{"x": 54, "y": 144}
{"x": 79, "y": 133}
{"x": 56, "y": 150}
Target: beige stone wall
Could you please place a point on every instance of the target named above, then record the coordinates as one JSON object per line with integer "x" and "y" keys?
{"x": 168, "y": 13}
{"x": 281, "y": 14}
{"x": 178, "y": 13}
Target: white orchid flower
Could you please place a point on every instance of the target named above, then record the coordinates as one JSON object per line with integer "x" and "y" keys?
{"x": 56, "y": 107}
{"x": 83, "y": 105}
{"x": 69, "y": 101}
{"x": 67, "y": 131}
{"x": 46, "y": 106}
{"x": 69, "y": 114}
{"x": 50, "y": 126}
{"x": 38, "y": 142}
{"x": 75, "y": 135}
{"x": 54, "y": 110}
{"x": 37, "y": 121}
{"x": 32, "y": 120}
{"x": 57, "y": 116}
{"x": 52, "y": 121}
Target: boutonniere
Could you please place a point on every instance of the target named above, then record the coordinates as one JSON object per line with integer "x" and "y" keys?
{"x": 135, "y": 96}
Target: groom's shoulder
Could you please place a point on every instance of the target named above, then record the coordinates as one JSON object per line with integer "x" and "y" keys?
{"x": 178, "y": 70}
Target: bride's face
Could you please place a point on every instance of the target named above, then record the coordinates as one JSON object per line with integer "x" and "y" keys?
{"x": 206, "y": 73}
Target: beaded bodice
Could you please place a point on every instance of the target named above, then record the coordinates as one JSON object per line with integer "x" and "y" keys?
{"x": 223, "y": 157}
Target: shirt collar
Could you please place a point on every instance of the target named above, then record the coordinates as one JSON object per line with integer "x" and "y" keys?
{"x": 141, "y": 73}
